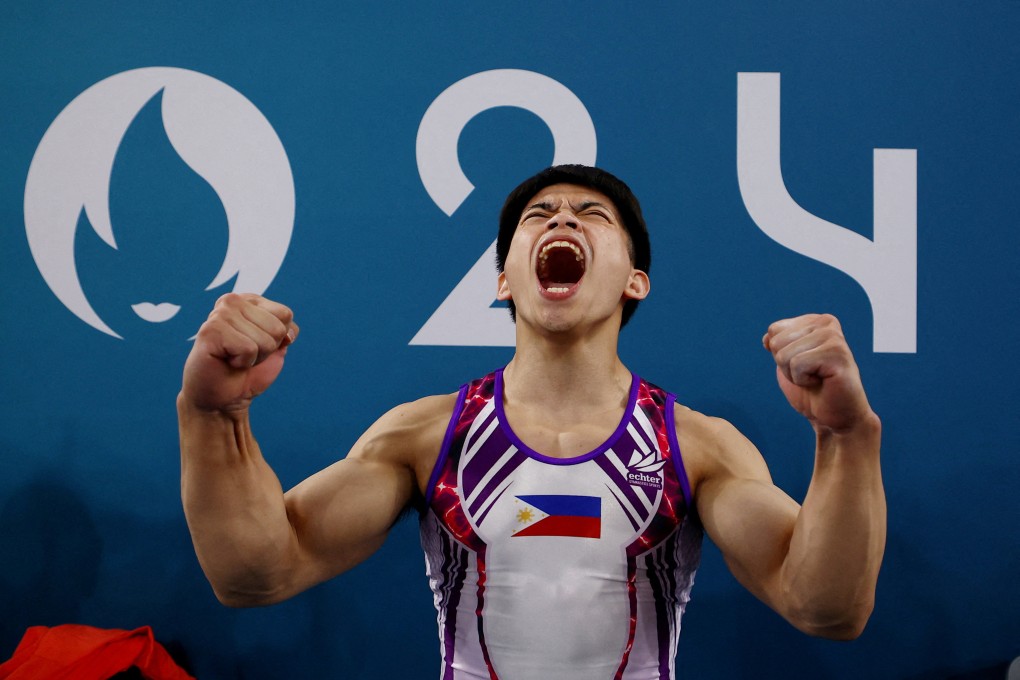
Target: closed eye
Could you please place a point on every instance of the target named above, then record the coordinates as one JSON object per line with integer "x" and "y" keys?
{"x": 596, "y": 209}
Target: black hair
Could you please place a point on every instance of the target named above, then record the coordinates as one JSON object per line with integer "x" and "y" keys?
{"x": 582, "y": 175}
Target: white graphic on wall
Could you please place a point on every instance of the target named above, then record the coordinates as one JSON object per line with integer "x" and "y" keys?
{"x": 466, "y": 316}
{"x": 886, "y": 266}
{"x": 216, "y": 131}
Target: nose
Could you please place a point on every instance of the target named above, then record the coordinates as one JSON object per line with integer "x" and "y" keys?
{"x": 562, "y": 218}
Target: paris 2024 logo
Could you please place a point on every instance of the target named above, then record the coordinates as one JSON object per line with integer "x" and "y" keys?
{"x": 177, "y": 168}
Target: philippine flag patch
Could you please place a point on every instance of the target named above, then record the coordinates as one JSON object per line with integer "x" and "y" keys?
{"x": 578, "y": 516}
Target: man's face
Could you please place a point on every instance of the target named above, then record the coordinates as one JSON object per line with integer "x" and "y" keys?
{"x": 569, "y": 262}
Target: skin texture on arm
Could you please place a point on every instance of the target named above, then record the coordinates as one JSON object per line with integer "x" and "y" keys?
{"x": 256, "y": 544}
{"x": 816, "y": 564}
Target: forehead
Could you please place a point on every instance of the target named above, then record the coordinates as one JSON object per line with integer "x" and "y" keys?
{"x": 573, "y": 195}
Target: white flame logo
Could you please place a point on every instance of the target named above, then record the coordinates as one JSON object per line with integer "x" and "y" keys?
{"x": 649, "y": 464}
{"x": 216, "y": 131}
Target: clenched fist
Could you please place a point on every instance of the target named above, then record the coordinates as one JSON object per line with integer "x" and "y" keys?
{"x": 238, "y": 352}
{"x": 817, "y": 372}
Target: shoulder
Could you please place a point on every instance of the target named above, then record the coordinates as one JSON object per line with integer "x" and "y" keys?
{"x": 714, "y": 450}
{"x": 408, "y": 425}
{"x": 416, "y": 414}
{"x": 409, "y": 435}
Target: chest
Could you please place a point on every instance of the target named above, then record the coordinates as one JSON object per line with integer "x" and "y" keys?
{"x": 561, "y": 433}
{"x": 621, "y": 488}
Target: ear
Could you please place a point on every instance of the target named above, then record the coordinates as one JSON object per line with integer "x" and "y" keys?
{"x": 638, "y": 285}
{"x": 502, "y": 288}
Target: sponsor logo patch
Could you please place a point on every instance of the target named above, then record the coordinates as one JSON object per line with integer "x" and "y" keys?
{"x": 645, "y": 470}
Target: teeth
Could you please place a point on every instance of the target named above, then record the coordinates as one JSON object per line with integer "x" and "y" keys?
{"x": 557, "y": 289}
{"x": 544, "y": 253}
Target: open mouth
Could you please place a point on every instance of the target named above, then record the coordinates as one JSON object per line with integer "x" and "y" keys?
{"x": 560, "y": 266}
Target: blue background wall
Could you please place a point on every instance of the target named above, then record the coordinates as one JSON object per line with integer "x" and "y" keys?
{"x": 91, "y": 527}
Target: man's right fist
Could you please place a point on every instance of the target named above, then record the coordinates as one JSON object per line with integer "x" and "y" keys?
{"x": 238, "y": 352}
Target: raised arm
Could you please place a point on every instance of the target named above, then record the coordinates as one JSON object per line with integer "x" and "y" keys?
{"x": 256, "y": 544}
{"x": 816, "y": 564}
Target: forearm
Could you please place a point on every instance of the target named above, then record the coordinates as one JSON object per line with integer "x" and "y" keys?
{"x": 234, "y": 506}
{"x": 828, "y": 577}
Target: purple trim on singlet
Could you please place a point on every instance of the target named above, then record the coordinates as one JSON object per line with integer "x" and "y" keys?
{"x": 665, "y": 579}
{"x": 661, "y": 616}
{"x": 481, "y": 517}
{"x": 456, "y": 558}
{"x": 512, "y": 436}
{"x": 487, "y": 458}
{"x": 678, "y": 459}
{"x": 445, "y": 449}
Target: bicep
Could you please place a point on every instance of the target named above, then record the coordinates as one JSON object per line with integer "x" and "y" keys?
{"x": 752, "y": 523}
{"x": 342, "y": 514}
{"x": 749, "y": 519}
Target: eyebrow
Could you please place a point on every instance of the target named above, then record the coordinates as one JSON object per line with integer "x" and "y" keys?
{"x": 590, "y": 204}
{"x": 544, "y": 205}
{"x": 580, "y": 207}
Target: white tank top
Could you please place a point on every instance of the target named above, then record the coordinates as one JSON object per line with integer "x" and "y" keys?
{"x": 543, "y": 567}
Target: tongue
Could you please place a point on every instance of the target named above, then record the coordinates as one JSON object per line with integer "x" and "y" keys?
{"x": 550, "y": 283}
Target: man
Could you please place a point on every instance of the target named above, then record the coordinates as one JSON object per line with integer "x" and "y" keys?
{"x": 562, "y": 499}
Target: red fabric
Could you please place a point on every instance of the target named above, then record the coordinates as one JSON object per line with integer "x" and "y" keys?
{"x": 85, "y": 653}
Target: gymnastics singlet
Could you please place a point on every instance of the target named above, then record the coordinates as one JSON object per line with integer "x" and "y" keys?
{"x": 544, "y": 567}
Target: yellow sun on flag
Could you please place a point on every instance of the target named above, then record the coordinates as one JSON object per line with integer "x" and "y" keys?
{"x": 524, "y": 516}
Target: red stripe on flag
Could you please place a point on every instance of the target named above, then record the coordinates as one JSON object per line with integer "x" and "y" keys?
{"x": 558, "y": 525}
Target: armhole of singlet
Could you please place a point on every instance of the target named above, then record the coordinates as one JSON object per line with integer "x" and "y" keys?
{"x": 445, "y": 449}
{"x": 674, "y": 444}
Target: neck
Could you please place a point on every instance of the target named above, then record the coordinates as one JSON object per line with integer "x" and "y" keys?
{"x": 558, "y": 369}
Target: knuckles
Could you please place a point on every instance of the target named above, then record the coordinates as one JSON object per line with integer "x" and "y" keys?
{"x": 822, "y": 327}
{"x": 231, "y": 301}
{"x": 245, "y": 327}
{"x": 809, "y": 345}
{"x": 809, "y": 321}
